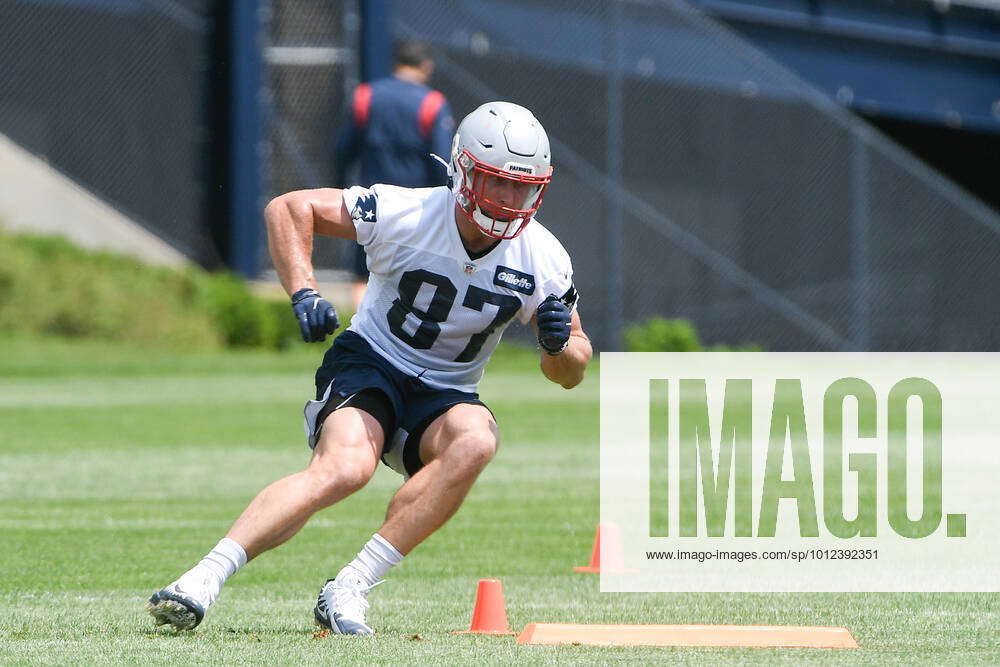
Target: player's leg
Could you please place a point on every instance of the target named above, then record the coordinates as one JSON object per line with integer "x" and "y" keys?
{"x": 455, "y": 448}
{"x": 344, "y": 460}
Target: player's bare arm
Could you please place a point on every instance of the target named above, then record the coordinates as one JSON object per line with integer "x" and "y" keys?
{"x": 568, "y": 367}
{"x": 292, "y": 220}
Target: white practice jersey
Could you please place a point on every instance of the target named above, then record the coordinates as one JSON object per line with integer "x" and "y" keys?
{"x": 430, "y": 310}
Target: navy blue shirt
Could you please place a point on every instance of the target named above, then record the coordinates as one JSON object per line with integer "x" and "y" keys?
{"x": 393, "y": 135}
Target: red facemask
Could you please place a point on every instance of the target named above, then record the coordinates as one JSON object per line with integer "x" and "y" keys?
{"x": 499, "y": 220}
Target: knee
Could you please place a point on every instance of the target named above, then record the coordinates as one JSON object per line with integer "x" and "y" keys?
{"x": 470, "y": 452}
{"x": 335, "y": 481}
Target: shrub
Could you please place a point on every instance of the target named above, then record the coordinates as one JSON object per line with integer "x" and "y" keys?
{"x": 242, "y": 319}
{"x": 659, "y": 334}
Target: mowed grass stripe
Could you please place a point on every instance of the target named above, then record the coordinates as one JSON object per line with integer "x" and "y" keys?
{"x": 222, "y": 389}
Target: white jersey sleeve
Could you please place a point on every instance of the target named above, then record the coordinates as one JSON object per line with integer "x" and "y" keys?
{"x": 362, "y": 203}
{"x": 384, "y": 216}
{"x": 553, "y": 270}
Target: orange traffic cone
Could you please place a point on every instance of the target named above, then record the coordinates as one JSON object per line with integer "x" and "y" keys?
{"x": 489, "y": 616}
{"x": 614, "y": 559}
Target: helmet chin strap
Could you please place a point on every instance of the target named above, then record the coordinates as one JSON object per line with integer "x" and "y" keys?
{"x": 447, "y": 167}
{"x": 442, "y": 161}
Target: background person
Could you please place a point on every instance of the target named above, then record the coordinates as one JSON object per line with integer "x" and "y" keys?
{"x": 393, "y": 126}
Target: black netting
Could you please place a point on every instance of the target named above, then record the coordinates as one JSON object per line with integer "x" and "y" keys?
{"x": 114, "y": 94}
{"x": 311, "y": 69}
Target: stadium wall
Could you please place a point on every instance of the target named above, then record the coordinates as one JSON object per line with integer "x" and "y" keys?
{"x": 38, "y": 199}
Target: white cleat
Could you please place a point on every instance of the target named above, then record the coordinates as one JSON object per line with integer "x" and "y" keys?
{"x": 342, "y": 604}
{"x": 183, "y": 603}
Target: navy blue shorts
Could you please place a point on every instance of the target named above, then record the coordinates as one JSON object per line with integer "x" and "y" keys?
{"x": 354, "y": 375}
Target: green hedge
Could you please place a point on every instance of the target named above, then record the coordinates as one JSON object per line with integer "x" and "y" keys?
{"x": 49, "y": 286}
{"x": 659, "y": 334}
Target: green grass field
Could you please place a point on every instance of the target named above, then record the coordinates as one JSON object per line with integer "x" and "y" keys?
{"x": 120, "y": 467}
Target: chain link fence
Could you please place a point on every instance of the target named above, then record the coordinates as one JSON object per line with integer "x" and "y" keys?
{"x": 312, "y": 68}
{"x": 116, "y": 95}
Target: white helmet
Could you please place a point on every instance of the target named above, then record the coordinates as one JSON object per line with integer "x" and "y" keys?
{"x": 503, "y": 140}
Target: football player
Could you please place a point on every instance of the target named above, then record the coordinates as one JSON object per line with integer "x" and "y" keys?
{"x": 450, "y": 268}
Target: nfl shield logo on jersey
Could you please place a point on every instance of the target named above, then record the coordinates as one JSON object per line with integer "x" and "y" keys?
{"x": 469, "y": 267}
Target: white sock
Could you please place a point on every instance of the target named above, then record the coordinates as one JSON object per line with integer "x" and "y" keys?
{"x": 375, "y": 560}
{"x": 217, "y": 566}
{"x": 225, "y": 559}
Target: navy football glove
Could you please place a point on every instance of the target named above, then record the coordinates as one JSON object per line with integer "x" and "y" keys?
{"x": 317, "y": 317}
{"x": 553, "y": 318}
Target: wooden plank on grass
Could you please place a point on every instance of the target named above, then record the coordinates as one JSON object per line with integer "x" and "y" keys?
{"x": 756, "y": 636}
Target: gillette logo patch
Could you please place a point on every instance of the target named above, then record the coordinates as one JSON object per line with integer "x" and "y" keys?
{"x": 515, "y": 280}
